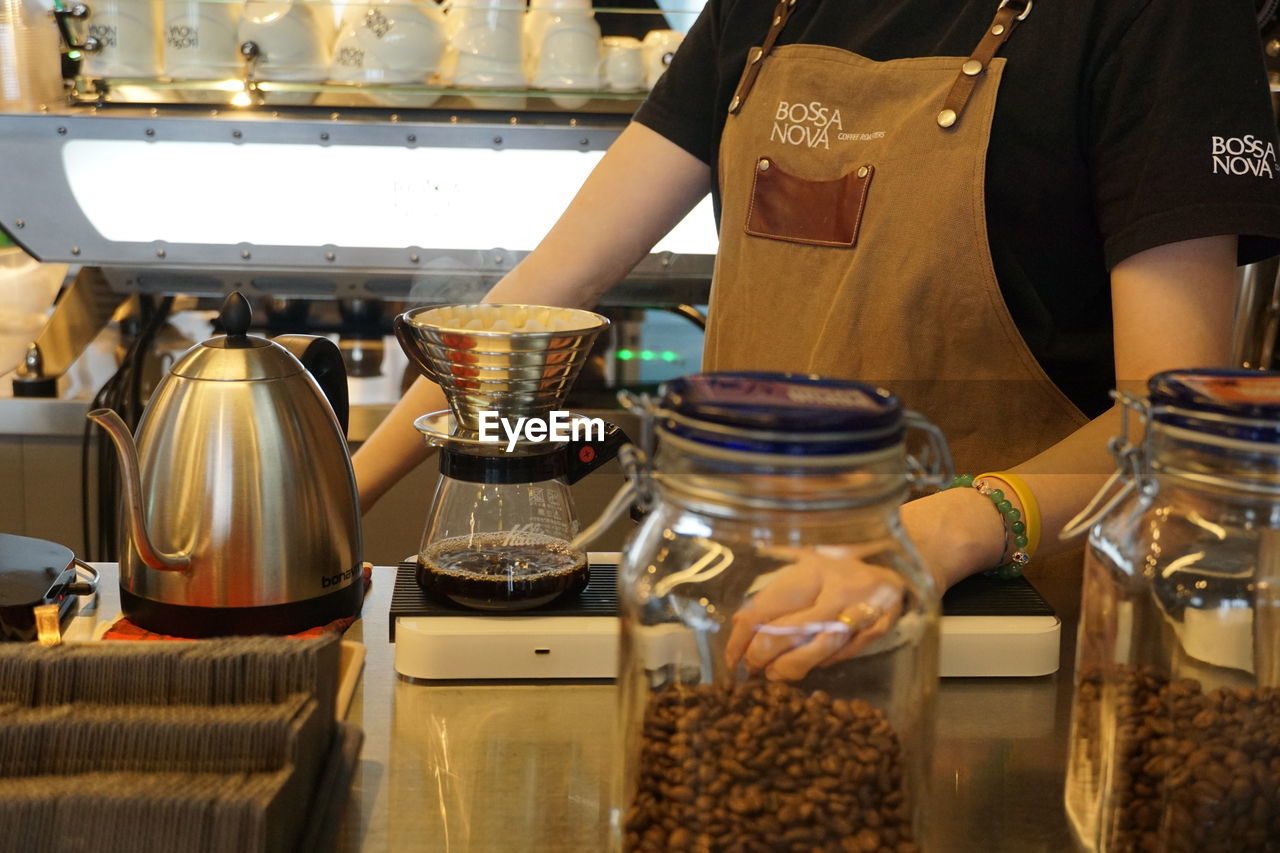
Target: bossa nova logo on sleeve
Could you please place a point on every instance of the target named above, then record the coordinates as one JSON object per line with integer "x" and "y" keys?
{"x": 1244, "y": 155}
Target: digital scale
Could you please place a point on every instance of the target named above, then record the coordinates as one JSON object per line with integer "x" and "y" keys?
{"x": 989, "y": 628}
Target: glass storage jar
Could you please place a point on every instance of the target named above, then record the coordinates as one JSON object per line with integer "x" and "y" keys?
{"x": 779, "y": 648}
{"x": 1175, "y": 741}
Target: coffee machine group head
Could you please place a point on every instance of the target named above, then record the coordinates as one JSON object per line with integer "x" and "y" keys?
{"x": 498, "y": 531}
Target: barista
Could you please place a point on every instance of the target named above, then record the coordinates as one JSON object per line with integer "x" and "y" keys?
{"x": 998, "y": 214}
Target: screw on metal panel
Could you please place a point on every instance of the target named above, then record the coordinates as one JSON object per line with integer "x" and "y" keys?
{"x": 395, "y": 116}
{"x": 666, "y": 259}
{"x": 244, "y": 253}
{"x": 333, "y": 116}
{"x": 328, "y": 256}
{"x": 453, "y": 119}
{"x": 159, "y": 253}
{"x": 44, "y": 108}
{"x": 324, "y": 137}
{"x": 150, "y": 131}
{"x": 584, "y": 141}
{"x": 573, "y": 122}
{"x": 154, "y": 112}
{"x": 515, "y": 120}
{"x": 412, "y": 138}
{"x": 497, "y": 140}
{"x": 413, "y": 259}
{"x": 62, "y": 131}
{"x": 236, "y": 134}
{"x": 213, "y": 113}
{"x": 75, "y": 250}
{"x": 18, "y": 223}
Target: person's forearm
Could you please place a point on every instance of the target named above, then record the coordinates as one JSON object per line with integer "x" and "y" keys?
{"x": 641, "y": 189}
{"x": 1172, "y": 308}
{"x": 958, "y": 531}
{"x": 395, "y": 446}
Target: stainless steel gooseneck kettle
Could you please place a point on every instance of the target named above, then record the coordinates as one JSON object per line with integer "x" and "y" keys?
{"x": 241, "y": 511}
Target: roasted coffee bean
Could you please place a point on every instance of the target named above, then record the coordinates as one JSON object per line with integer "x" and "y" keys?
{"x": 767, "y": 767}
{"x": 1195, "y": 771}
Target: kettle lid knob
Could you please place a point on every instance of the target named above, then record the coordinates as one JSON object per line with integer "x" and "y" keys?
{"x": 235, "y": 317}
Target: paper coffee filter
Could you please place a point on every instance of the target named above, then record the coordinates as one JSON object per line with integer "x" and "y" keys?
{"x": 508, "y": 319}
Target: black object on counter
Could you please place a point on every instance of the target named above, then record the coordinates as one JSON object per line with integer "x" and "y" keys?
{"x": 33, "y": 573}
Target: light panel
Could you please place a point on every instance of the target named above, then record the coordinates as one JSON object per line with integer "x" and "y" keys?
{"x": 349, "y": 195}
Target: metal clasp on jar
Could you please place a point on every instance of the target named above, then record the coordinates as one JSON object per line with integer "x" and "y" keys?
{"x": 1131, "y": 467}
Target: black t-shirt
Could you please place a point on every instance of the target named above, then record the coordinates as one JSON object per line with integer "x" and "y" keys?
{"x": 1121, "y": 125}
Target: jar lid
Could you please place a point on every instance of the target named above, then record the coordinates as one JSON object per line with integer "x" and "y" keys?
{"x": 1231, "y": 403}
{"x": 785, "y": 413}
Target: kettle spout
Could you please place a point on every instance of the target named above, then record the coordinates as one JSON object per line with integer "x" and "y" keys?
{"x": 127, "y": 452}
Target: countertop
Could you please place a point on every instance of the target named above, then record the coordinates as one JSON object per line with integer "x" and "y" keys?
{"x": 494, "y": 767}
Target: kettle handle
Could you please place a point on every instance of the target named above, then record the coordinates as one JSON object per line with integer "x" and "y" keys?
{"x": 323, "y": 360}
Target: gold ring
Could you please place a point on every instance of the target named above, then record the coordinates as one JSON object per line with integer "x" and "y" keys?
{"x": 868, "y": 615}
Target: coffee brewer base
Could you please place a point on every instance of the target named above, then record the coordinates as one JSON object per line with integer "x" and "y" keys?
{"x": 181, "y": 620}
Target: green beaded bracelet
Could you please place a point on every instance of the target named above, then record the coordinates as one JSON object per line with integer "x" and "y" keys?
{"x": 1015, "y": 530}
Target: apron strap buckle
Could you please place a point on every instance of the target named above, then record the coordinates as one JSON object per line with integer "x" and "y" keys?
{"x": 1008, "y": 15}
{"x": 755, "y": 57}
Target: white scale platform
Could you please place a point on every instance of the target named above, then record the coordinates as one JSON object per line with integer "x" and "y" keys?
{"x": 989, "y": 628}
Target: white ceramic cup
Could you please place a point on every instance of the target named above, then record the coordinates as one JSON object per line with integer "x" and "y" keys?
{"x": 622, "y": 67}
{"x": 568, "y": 52}
{"x": 294, "y": 39}
{"x": 487, "y": 41}
{"x": 199, "y": 40}
{"x": 128, "y": 37}
{"x": 659, "y": 47}
{"x": 389, "y": 41}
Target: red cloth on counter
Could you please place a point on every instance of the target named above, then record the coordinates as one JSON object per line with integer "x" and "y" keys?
{"x": 124, "y": 629}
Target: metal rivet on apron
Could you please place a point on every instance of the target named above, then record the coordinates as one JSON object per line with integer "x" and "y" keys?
{"x": 997, "y": 30}
{"x": 733, "y": 105}
{"x": 764, "y": 165}
{"x": 862, "y": 173}
{"x": 756, "y": 54}
{"x": 777, "y": 20}
{"x": 972, "y": 68}
{"x": 946, "y": 118}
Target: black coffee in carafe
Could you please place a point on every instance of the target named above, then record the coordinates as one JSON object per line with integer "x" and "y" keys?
{"x": 503, "y": 570}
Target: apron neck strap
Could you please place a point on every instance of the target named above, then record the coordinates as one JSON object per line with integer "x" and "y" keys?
{"x": 755, "y": 56}
{"x": 1009, "y": 15}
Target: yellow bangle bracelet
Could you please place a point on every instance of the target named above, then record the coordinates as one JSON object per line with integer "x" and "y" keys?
{"x": 1030, "y": 509}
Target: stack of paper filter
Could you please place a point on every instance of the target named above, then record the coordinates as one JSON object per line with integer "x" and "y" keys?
{"x": 218, "y": 745}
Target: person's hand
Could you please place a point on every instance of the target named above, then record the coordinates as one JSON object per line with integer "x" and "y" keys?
{"x": 825, "y": 606}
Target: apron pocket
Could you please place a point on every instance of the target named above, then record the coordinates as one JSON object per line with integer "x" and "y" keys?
{"x": 817, "y": 213}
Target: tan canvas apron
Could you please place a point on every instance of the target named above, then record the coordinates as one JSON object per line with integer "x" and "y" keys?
{"x": 853, "y": 240}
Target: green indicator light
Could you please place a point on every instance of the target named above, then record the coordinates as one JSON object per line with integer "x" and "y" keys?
{"x": 73, "y": 55}
{"x": 646, "y": 355}
{"x": 668, "y": 355}
{"x": 625, "y": 355}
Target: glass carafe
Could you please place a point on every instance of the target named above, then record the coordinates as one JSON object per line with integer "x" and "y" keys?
{"x": 779, "y": 633}
{"x": 1175, "y": 741}
{"x": 498, "y": 533}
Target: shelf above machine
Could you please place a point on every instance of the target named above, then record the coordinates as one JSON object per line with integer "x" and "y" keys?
{"x": 314, "y": 202}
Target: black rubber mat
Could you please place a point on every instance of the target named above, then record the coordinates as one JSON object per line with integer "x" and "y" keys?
{"x": 974, "y": 596}
{"x": 600, "y": 598}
